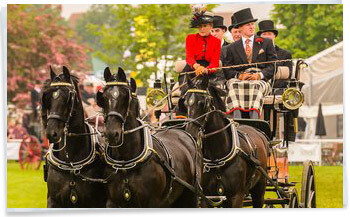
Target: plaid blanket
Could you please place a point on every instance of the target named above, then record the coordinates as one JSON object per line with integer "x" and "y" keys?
{"x": 246, "y": 95}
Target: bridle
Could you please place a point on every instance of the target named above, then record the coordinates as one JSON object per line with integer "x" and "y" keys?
{"x": 72, "y": 94}
{"x": 208, "y": 106}
{"x": 55, "y": 116}
{"x": 116, "y": 114}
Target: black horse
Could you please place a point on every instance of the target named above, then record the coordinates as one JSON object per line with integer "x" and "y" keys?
{"x": 73, "y": 162}
{"x": 143, "y": 167}
{"x": 225, "y": 171}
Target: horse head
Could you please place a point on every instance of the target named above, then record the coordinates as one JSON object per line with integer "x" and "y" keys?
{"x": 198, "y": 102}
{"x": 59, "y": 96}
{"x": 115, "y": 100}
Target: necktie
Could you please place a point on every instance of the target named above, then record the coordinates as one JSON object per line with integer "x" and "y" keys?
{"x": 248, "y": 51}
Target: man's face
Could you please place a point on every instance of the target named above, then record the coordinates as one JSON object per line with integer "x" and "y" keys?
{"x": 89, "y": 88}
{"x": 218, "y": 33}
{"x": 236, "y": 34}
{"x": 247, "y": 29}
{"x": 204, "y": 29}
{"x": 269, "y": 35}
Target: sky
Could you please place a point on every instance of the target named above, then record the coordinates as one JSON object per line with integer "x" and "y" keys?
{"x": 260, "y": 11}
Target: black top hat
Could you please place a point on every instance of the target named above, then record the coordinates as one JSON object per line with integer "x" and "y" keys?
{"x": 233, "y": 24}
{"x": 218, "y": 22}
{"x": 201, "y": 18}
{"x": 243, "y": 16}
{"x": 267, "y": 26}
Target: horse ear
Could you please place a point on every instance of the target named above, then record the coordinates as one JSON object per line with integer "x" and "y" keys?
{"x": 52, "y": 74}
{"x": 99, "y": 99}
{"x": 205, "y": 82}
{"x": 189, "y": 82}
{"x": 107, "y": 74}
{"x": 133, "y": 85}
{"x": 121, "y": 75}
{"x": 66, "y": 73}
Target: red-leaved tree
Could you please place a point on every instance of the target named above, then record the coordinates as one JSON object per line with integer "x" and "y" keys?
{"x": 37, "y": 36}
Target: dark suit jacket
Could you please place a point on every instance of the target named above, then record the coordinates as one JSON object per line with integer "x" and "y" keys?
{"x": 225, "y": 44}
{"x": 284, "y": 55}
{"x": 235, "y": 55}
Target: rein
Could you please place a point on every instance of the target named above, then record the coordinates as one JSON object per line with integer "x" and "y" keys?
{"x": 241, "y": 65}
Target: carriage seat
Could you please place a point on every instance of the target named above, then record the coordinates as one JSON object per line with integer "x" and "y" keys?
{"x": 283, "y": 73}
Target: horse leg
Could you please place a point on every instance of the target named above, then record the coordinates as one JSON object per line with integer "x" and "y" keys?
{"x": 237, "y": 200}
{"x": 186, "y": 200}
{"x": 111, "y": 204}
{"x": 258, "y": 193}
{"x": 51, "y": 203}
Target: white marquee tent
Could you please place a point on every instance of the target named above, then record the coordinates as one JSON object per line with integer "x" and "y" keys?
{"x": 323, "y": 84}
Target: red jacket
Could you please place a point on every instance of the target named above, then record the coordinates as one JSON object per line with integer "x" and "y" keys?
{"x": 197, "y": 49}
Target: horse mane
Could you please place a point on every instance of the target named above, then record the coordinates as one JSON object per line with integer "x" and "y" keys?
{"x": 218, "y": 103}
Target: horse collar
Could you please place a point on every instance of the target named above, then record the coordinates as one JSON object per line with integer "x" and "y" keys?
{"x": 142, "y": 157}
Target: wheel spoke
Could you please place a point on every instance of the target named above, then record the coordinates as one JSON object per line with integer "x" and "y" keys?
{"x": 311, "y": 198}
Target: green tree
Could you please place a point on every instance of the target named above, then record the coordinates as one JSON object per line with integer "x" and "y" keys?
{"x": 98, "y": 15}
{"x": 152, "y": 36}
{"x": 307, "y": 29}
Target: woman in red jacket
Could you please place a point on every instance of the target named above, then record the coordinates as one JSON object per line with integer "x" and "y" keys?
{"x": 202, "y": 51}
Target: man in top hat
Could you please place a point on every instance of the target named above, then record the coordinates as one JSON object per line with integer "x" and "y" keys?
{"x": 233, "y": 29}
{"x": 267, "y": 30}
{"x": 219, "y": 29}
{"x": 247, "y": 84}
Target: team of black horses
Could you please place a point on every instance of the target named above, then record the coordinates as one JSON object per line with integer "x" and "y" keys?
{"x": 211, "y": 161}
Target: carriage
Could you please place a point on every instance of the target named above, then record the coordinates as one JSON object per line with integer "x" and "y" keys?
{"x": 283, "y": 103}
{"x": 149, "y": 147}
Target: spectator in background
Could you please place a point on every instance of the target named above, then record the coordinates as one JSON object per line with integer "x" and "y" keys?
{"x": 234, "y": 30}
{"x": 34, "y": 98}
{"x": 88, "y": 92}
{"x": 15, "y": 130}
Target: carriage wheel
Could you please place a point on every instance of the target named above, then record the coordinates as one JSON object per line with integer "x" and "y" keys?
{"x": 30, "y": 153}
{"x": 308, "y": 187}
{"x": 293, "y": 198}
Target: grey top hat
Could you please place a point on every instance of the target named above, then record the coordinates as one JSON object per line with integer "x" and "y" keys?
{"x": 233, "y": 24}
{"x": 218, "y": 22}
{"x": 267, "y": 26}
{"x": 243, "y": 16}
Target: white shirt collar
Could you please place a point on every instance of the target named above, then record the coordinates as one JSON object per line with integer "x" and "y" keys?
{"x": 222, "y": 42}
{"x": 251, "y": 38}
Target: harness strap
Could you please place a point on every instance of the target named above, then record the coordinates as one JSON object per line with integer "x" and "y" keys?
{"x": 197, "y": 191}
{"x": 254, "y": 162}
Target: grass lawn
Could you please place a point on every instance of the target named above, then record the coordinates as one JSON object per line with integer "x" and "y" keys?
{"x": 27, "y": 189}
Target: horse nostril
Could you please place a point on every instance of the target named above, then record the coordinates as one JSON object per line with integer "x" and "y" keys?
{"x": 54, "y": 135}
{"x": 116, "y": 135}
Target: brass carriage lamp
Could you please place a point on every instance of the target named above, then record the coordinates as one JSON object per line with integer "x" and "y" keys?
{"x": 292, "y": 98}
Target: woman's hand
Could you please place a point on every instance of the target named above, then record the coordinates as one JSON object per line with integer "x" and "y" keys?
{"x": 200, "y": 70}
{"x": 196, "y": 65}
